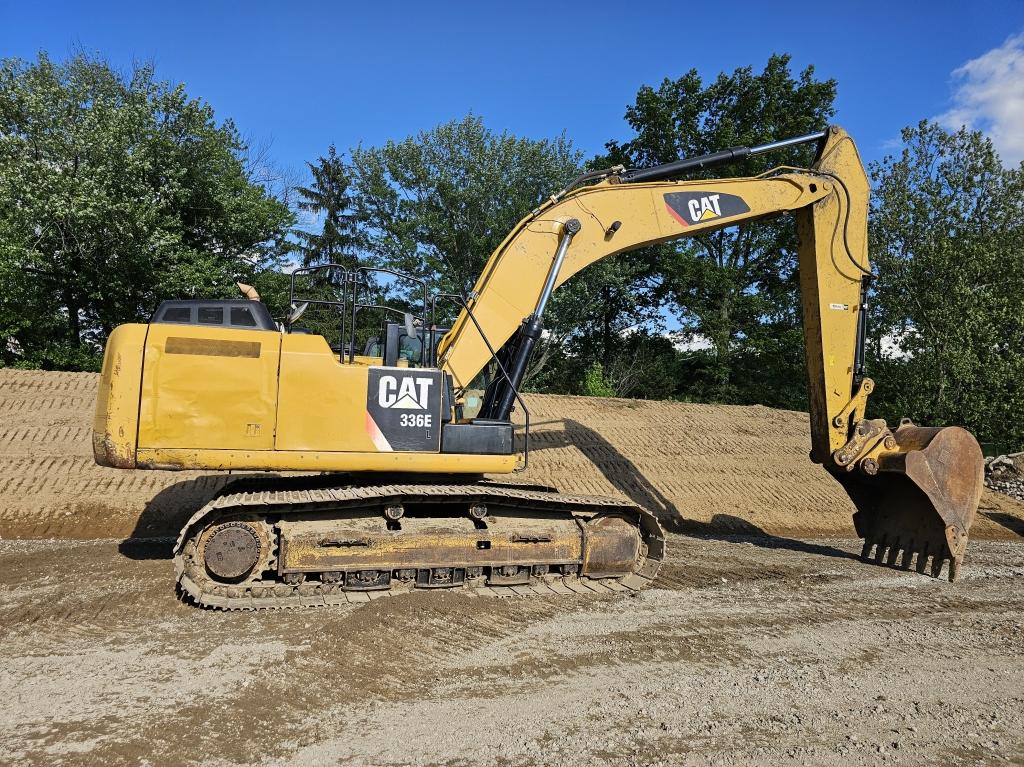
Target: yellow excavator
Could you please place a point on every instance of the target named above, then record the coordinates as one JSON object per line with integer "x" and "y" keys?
{"x": 398, "y": 445}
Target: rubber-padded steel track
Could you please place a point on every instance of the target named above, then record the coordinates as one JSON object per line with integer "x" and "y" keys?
{"x": 270, "y": 591}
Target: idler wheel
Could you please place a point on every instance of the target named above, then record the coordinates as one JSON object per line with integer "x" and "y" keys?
{"x": 231, "y": 551}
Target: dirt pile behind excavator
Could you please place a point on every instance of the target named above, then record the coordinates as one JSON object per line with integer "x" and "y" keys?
{"x": 701, "y": 468}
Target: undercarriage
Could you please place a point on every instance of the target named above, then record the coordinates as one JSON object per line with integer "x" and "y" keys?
{"x": 277, "y": 546}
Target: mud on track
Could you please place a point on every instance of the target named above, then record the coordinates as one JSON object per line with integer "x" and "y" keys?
{"x": 700, "y": 468}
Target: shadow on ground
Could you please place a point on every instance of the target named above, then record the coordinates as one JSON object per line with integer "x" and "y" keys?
{"x": 159, "y": 524}
{"x": 1010, "y": 522}
{"x": 726, "y": 527}
{"x": 628, "y": 480}
{"x": 165, "y": 514}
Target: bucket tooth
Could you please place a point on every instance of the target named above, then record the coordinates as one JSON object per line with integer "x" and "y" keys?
{"x": 882, "y": 551}
{"x": 922, "y": 500}
{"x": 954, "y": 570}
{"x": 908, "y": 555}
{"x": 882, "y": 555}
{"x": 894, "y": 553}
{"x": 922, "y": 559}
{"x": 865, "y": 553}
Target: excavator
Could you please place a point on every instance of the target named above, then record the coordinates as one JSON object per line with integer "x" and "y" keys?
{"x": 398, "y": 451}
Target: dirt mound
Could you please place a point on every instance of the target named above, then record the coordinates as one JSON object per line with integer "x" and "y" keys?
{"x": 701, "y": 468}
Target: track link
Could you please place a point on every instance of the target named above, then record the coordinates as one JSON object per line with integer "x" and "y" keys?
{"x": 264, "y": 507}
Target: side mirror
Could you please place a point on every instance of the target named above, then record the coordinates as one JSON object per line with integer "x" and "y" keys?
{"x": 296, "y": 313}
{"x": 410, "y": 328}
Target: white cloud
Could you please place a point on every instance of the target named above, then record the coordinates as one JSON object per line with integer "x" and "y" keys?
{"x": 990, "y": 97}
{"x": 694, "y": 343}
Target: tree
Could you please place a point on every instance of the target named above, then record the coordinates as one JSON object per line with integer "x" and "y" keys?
{"x": 439, "y": 203}
{"x": 947, "y": 325}
{"x": 736, "y": 288}
{"x": 115, "y": 191}
{"x": 595, "y": 384}
{"x": 601, "y": 312}
{"x": 328, "y": 197}
{"x": 436, "y": 205}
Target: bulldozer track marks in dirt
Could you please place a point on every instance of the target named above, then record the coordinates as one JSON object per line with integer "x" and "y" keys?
{"x": 34, "y": 381}
{"x": 706, "y": 469}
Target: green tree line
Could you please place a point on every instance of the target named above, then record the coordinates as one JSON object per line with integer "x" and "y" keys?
{"x": 118, "y": 190}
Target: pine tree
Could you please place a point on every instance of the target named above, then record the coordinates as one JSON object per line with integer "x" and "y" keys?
{"x": 328, "y": 197}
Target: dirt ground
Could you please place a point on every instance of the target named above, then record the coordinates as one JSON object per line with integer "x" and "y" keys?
{"x": 774, "y": 645}
{"x": 757, "y": 651}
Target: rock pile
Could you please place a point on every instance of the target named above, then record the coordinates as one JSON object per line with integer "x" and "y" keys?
{"x": 1005, "y": 474}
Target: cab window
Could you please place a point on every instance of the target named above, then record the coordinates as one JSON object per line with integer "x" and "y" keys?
{"x": 177, "y": 314}
{"x": 242, "y": 317}
{"x": 410, "y": 349}
{"x": 211, "y": 315}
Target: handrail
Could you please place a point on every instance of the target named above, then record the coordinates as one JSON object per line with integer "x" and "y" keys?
{"x": 454, "y": 297}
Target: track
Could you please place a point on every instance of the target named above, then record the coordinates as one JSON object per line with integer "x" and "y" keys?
{"x": 273, "y": 507}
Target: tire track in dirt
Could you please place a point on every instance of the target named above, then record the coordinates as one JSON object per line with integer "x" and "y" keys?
{"x": 729, "y": 665}
{"x": 33, "y": 381}
{"x": 46, "y": 440}
{"x": 707, "y": 469}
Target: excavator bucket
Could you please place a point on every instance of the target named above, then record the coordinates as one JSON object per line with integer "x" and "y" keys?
{"x": 916, "y": 512}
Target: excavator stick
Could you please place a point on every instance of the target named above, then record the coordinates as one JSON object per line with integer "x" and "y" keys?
{"x": 917, "y": 510}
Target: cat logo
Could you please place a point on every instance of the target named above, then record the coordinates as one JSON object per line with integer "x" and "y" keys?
{"x": 704, "y": 208}
{"x": 403, "y": 409}
{"x": 409, "y": 393}
{"x": 690, "y": 208}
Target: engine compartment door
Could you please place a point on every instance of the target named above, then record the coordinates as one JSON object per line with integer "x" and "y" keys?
{"x": 209, "y": 388}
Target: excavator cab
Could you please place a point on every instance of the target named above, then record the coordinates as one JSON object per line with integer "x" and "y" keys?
{"x": 395, "y": 343}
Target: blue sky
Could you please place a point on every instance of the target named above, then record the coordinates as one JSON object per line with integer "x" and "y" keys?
{"x": 302, "y": 75}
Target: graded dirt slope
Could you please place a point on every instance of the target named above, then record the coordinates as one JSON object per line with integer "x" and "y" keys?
{"x": 700, "y": 468}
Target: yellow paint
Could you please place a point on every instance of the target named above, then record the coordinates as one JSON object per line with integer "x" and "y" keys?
{"x": 225, "y": 410}
{"x": 512, "y": 280}
{"x": 322, "y": 404}
{"x": 206, "y": 399}
{"x": 421, "y": 547}
{"x": 117, "y": 399}
{"x": 303, "y": 460}
{"x": 833, "y": 254}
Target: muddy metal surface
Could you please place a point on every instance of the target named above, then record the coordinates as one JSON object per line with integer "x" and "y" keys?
{"x": 751, "y": 651}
